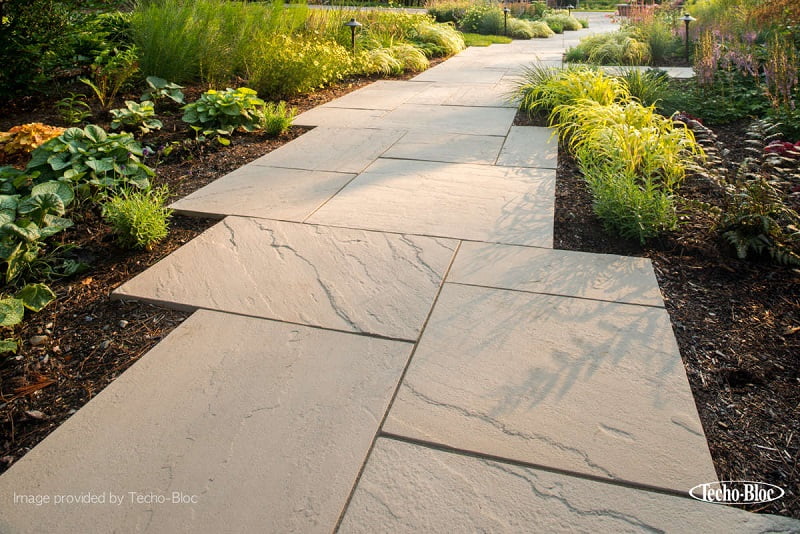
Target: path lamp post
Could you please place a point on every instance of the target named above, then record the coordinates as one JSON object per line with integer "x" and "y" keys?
{"x": 687, "y": 19}
{"x": 569, "y": 9}
{"x": 506, "y": 11}
{"x": 353, "y": 24}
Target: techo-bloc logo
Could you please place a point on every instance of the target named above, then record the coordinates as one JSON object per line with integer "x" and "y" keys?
{"x": 736, "y": 492}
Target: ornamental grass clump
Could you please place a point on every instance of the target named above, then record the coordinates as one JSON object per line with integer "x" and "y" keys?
{"x": 139, "y": 219}
{"x": 632, "y": 158}
{"x": 543, "y": 88}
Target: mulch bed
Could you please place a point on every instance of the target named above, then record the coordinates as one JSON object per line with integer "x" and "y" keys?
{"x": 737, "y": 324}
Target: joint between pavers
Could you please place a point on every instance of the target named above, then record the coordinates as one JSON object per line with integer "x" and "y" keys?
{"x": 397, "y": 388}
{"x": 549, "y": 294}
{"x": 528, "y": 465}
{"x": 191, "y": 309}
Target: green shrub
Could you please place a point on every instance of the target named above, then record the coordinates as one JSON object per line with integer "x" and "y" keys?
{"x": 555, "y": 25}
{"x": 473, "y": 20}
{"x": 540, "y": 29}
{"x": 631, "y": 136}
{"x": 444, "y": 36}
{"x": 135, "y": 114}
{"x": 617, "y": 48}
{"x": 542, "y": 88}
{"x": 91, "y": 156}
{"x": 520, "y": 29}
{"x": 138, "y": 218}
{"x": 562, "y": 20}
{"x": 110, "y": 72}
{"x": 276, "y": 118}
{"x": 648, "y": 86}
{"x": 449, "y": 10}
{"x": 289, "y": 65}
{"x": 627, "y": 206}
{"x": 410, "y": 57}
{"x": 225, "y": 111}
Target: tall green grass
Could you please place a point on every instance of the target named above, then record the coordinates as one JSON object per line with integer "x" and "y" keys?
{"x": 280, "y": 49}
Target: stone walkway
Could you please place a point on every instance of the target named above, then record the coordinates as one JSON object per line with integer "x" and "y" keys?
{"x": 385, "y": 341}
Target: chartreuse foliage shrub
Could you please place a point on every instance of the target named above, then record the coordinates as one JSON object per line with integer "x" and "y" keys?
{"x": 616, "y": 48}
{"x": 632, "y": 158}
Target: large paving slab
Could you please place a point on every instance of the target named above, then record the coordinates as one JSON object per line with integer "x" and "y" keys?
{"x": 453, "y": 71}
{"x": 384, "y": 95}
{"x": 530, "y": 146}
{"x": 448, "y": 148}
{"x": 409, "y": 488}
{"x": 341, "y": 117}
{"x": 337, "y": 278}
{"x": 452, "y": 119}
{"x": 577, "y": 385}
{"x": 265, "y": 425}
{"x": 473, "y": 202}
{"x": 268, "y": 192}
{"x": 483, "y": 95}
{"x": 347, "y": 150}
{"x": 557, "y": 272}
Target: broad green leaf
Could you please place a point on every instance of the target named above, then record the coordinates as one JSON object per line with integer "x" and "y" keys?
{"x": 59, "y": 161}
{"x": 100, "y": 165}
{"x": 8, "y": 345}
{"x": 11, "y": 312}
{"x": 36, "y": 296}
{"x": 37, "y": 206}
{"x": 63, "y": 190}
{"x": 28, "y": 232}
{"x": 95, "y": 134}
{"x": 8, "y": 208}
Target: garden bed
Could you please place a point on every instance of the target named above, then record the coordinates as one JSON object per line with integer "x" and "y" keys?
{"x": 737, "y": 324}
{"x": 81, "y": 342}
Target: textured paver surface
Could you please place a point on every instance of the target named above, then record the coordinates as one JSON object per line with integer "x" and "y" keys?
{"x": 475, "y": 202}
{"x": 265, "y": 425}
{"x": 337, "y": 278}
{"x": 269, "y": 192}
{"x": 517, "y": 148}
{"x": 409, "y": 488}
{"x": 580, "y": 385}
{"x": 384, "y": 339}
{"x": 558, "y": 272}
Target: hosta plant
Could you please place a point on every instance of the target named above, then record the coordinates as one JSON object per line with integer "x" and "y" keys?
{"x": 91, "y": 157}
{"x": 159, "y": 88}
{"x": 33, "y": 297}
{"x": 136, "y": 115}
{"x": 27, "y": 220}
{"x": 225, "y": 111}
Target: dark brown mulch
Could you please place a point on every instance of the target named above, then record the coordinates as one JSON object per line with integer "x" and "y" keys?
{"x": 738, "y": 328}
{"x": 83, "y": 340}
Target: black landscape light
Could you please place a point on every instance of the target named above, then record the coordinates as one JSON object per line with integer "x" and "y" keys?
{"x": 353, "y": 24}
{"x": 687, "y": 18}
{"x": 506, "y": 11}
{"x": 569, "y": 9}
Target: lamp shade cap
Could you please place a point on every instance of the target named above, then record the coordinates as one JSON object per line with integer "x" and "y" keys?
{"x": 353, "y": 23}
